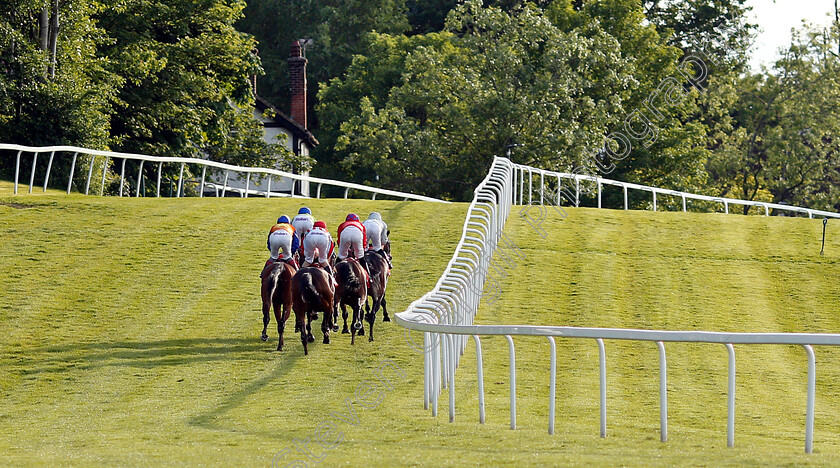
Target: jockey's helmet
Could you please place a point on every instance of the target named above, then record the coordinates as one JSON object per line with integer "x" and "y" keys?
{"x": 352, "y": 217}
{"x": 320, "y": 224}
{"x": 304, "y": 210}
{"x": 283, "y": 219}
{"x": 376, "y": 216}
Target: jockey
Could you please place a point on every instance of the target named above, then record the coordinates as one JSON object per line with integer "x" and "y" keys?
{"x": 351, "y": 234}
{"x": 377, "y": 232}
{"x": 318, "y": 241}
{"x": 302, "y": 223}
{"x": 282, "y": 242}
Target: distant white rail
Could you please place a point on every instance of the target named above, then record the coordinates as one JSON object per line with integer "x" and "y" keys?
{"x": 445, "y": 315}
{"x": 525, "y": 196}
{"x": 160, "y": 160}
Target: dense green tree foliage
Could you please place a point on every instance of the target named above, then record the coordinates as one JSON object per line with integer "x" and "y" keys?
{"x": 186, "y": 71}
{"x": 720, "y": 26}
{"x": 495, "y": 79}
{"x": 158, "y": 77}
{"x": 782, "y": 144}
{"x": 54, "y": 87}
{"x": 420, "y": 94}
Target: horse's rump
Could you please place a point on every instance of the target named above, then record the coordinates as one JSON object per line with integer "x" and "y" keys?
{"x": 308, "y": 290}
{"x": 345, "y": 271}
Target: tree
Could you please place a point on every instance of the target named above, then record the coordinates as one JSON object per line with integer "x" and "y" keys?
{"x": 53, "y": 86}
{"x": 54, "y": 89}
{"x": 337, "y": 29}
{"x": 784, "y": 146}
{"x": 720, "y": 26}
{"x": 662, "y": 142}
{"x": 494, "y": 80}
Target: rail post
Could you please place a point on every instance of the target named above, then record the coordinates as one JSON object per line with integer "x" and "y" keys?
{"x": 17, "y": 170}
{"x": 49, "y": 168}
{"x": 552, "y": 384}
{"x": 602, "y": 367}
{"x": 809, "y": 411}
{"x": 72, "y": 170}
{"x": 730, "y": 398}
{"x": 32, "y": 176}
{"x": 512, "y": 353}
{"x": 479, "y": 363}
{"x": 139, "y": 178}
{"x": 663, "y": 393}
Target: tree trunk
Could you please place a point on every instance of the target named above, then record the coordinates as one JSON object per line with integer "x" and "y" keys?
{"x": 53, "y": 39}
{"x": 43, "y": 29}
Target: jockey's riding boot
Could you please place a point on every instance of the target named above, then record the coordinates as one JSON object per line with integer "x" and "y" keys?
{"x": 363, "y": 262}
{"x": 332, "y": 274}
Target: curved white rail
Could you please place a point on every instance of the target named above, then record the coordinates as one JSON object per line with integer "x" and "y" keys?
{"x": 445, "y": 314}
{"x": 52, "y": 150}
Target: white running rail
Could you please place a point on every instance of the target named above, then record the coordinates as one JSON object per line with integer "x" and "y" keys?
{"x": 228, "y": 168}
{"x": 445, "y": 314}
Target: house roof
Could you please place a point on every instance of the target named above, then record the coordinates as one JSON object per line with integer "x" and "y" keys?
{"x": 281, "y": 119}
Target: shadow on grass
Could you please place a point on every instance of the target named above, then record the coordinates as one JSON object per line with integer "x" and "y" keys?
{"x": 140, "y": 354}
{"x": 76, "y": 357}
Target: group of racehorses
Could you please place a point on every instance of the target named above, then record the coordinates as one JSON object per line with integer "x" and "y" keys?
{"x": 309, "y": 291}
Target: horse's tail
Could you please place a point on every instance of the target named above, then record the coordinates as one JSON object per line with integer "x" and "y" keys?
{"x": 352, "y": 280}
{"x": 271, "y": 281}
{"x": 307, "y": 288}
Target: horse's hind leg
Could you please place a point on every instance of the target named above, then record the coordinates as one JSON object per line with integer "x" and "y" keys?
{"x": 281, "y": 317}
{"x": 309, "y": 337}
{"x": 344, "y": 330}
{"x": 266, "y": 307}
{"x": 354, "y": 325}
{"x": 385, "y": 317}
{"x": 300, "y": 324}
{"x": 357, "y": 318}
{"x": 371, "y": 317}
{"x": 325, "y": 328}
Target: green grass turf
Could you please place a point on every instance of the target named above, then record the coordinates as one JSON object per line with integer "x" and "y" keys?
{"x": 131, "y": 337}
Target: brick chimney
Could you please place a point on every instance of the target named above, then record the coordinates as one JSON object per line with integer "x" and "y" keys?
{"x": 297, "y": 84}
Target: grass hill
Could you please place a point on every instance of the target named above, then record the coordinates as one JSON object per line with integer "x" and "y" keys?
{"x": 131, "y": 337}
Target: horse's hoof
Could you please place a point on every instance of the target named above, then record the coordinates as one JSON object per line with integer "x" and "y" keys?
{"x": 386, "y": 319}
{"x": 310, "y": 339}
{"x": 264, "y": 337}
{"x": 345, "y": 331}
{"x": 335, "y": 328}
{"x": 361, "y": 332}
{"x": 326, "y": 340}
{"x": 279, "y": 348}
{"x": 370, "y": 339}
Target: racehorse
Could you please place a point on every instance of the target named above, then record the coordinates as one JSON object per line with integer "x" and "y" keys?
{"x": 312, "y": 291}
{"x": 378, "y": 268}
{"x": 277, "y": 292}
{"x": 352, "y": 291}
